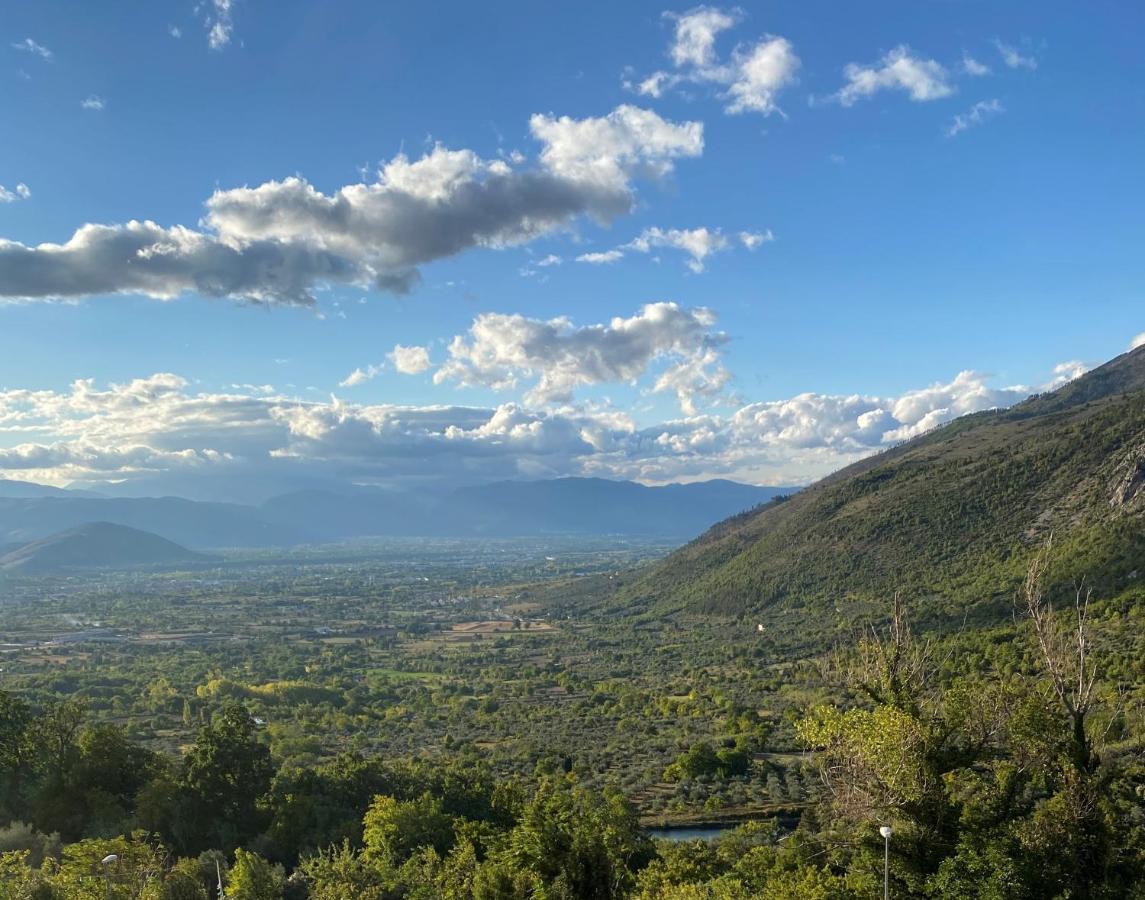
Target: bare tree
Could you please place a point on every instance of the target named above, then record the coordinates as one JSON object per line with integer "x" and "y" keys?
{"x": 1065, "y": 649}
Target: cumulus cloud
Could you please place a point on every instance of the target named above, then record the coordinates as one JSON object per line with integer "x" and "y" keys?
{"x": 93, "y": 102}
{"x": 280, "y": 240}
{"x": 1138, "y": 341}
{"x": 30, "y": 46}
{"x": 922, "y": 79}
{"x": 409, "y": 360}
{"x": 160, "y": 424}
{"x": 977, "y": 114}
{"x": 557, "y": 357}
{"x": 696, "y": 32}
{"x": 749, "y": 79}
{"x": 1013, "y": 58}
{"x": 20, "y": 192}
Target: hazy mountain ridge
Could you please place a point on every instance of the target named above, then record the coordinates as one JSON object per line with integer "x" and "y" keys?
{"x": 953, "y": 513}
{"x": 501, "y": 509}
{"x": 98, "y": 545}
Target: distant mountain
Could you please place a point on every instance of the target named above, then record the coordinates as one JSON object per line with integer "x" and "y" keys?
{"x": 26, "y": 489}
{"x": 591, "y": 506}
{"x": 193, "y": 524}
{"x": 952, "y": 515}
{"x": 598, "y": 506}
{"x": 97, "y": 545}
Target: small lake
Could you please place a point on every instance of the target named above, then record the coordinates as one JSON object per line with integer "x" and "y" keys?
{"x": 689, "y": 833}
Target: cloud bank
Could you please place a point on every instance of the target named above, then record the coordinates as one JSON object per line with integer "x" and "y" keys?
{"x": 162, "y": 425}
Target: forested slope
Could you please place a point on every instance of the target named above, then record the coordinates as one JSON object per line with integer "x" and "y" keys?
{"x": 954, "y": 513}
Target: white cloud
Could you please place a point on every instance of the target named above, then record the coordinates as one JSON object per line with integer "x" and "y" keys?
{"x": 159, "y": 424}
{"x": 922, "y": 79}
{"x": 609, "y": 150}
{"x": 360, "y": 376}
{"x": 93, "y": 102}
{"x": 976, "y": 115}
{"x": 972, "y": 67}
{"x": 697, "y": 243}
{"x": 220, "y": 27}
{"x": 760, "y": 73}
{"x": 409, "y": 360}
{"x": 30, "y": 46}
{"x": 750, "y": 78}
{"x": 175, "y": 31}
{"x": 557, "y": 357}
{"x": 601, "y": 258}
{"x": 753, "y": 239}
{"x": 279, "y": 240}
{"x": 1138, "y": 341}
{"x": 20, "y": 192}
{"x": 696, "y": 33}
{"x": 1013, "y": 58}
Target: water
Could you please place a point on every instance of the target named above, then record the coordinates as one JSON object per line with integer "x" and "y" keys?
{"x": 690, "y": 833}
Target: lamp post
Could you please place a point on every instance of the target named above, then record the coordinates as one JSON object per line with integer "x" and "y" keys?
{"x": 885, "y": 831}
{"x": 108, "y": 860}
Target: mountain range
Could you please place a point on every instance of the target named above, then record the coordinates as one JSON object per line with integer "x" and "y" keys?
{"x": 503, "y": 509}
{"x": 953, "y": 515}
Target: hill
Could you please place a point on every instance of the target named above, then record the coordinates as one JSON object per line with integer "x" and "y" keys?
{"x": 97, "y": 545}
{"x": 952, "y": 515}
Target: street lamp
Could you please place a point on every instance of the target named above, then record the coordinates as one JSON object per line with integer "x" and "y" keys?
{"x": 108, "y": 860}
{"x": 885, "y": 831}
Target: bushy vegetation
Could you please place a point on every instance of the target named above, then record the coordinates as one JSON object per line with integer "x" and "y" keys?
{"x": 1006, "y": 760}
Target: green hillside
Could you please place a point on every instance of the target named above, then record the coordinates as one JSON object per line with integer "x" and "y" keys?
{"x": 952, "y": 515}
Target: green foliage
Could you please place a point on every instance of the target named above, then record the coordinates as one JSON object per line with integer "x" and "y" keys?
{"x": 253, "y": 878}
{"x": 225, "y": 776}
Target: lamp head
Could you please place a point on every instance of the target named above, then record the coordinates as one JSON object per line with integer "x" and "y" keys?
{"x": 885, "y": 831}
{"x": 109, "y": 859}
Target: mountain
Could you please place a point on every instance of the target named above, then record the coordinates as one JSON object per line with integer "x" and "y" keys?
{"x": 27, "y": 489}
{"x": 193, "y": 524}
{"x": 98, "y": 545}
{"x": 514, "y": 508}
{"x": 503, "y": 509}
{"x": 953, "y": 515}
{"x": 599, "y": 506}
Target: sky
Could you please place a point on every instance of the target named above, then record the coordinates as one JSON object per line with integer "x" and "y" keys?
{"x": 247, "y": 246}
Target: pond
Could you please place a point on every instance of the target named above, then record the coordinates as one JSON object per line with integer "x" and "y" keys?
{"x": 689, "y": 832}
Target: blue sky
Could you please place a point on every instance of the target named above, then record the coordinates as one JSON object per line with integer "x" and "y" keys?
{"x": 929, "y": 189}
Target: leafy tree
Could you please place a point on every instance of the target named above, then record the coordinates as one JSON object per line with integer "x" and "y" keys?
{"x": 253, "y": 878}
{"x": 225, "y": 776}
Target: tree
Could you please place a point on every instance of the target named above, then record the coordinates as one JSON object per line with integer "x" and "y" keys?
{"x": 16, "y": 752}
{"x": 253, "y": 878}
{"x": 394, "y": 829}
{"x": 225, "y": 776}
